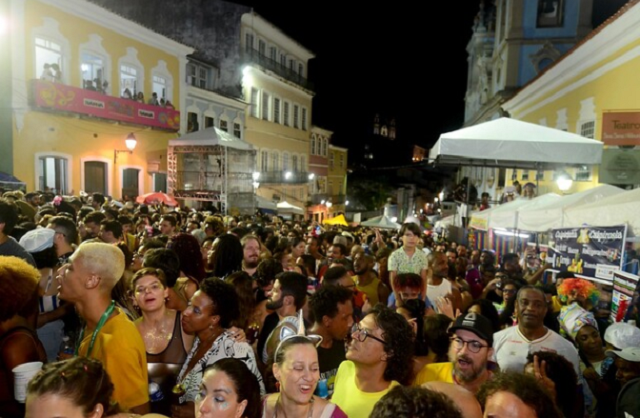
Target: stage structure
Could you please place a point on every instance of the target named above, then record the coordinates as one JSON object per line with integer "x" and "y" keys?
{"x": 213, "y": 166}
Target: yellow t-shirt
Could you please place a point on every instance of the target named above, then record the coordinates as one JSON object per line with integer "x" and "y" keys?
{"x": 371, "y": 290}
{"x": 556, "y": 304}
{"x": 435, "y": 372}
{"x": 120, "y": 348}
{"x": 354, "y": 402}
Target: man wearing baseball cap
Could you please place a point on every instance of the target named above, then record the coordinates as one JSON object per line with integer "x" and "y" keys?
{"x": 627, "y": 364}
{"x": 469, "y": 353}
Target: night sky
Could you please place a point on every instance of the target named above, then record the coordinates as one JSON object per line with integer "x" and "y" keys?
{"x": 407, "y": 62}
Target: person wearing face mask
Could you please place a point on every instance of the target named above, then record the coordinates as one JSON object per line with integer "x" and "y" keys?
{"x": 228, "y": 390}
{"x": 408, "y": 259}
{"x": 297, "y": 371}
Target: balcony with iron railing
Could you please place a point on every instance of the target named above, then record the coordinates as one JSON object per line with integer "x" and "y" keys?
{"x": 254, "y": 56}
{"x": 62, "y": 98}
{"x": 284, "y": 177}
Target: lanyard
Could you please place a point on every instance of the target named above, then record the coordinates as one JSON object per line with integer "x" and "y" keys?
{"x": 101, "y": 323}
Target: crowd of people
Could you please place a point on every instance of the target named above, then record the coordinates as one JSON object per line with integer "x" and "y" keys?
{"x": 159, "y": 311}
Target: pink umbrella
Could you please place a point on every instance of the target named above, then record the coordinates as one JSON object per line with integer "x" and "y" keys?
{"x": 156, "y": 198}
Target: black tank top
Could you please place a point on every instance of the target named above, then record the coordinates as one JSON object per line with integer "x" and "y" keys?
{"x": 164, "y": 367}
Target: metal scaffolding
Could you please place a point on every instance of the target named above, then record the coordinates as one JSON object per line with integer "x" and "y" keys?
{"x": 213, "y": 166}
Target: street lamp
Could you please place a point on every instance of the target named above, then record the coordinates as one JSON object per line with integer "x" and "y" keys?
{"x": 130, "y": 143}
{"x": 329, "y": 204}
{"x": 287, "y": 175}
{"x": 312, "y": 176}
{"x": 564, "y": 181}
{"x": 247, "y": 79}
{"x": 255, "y": 175}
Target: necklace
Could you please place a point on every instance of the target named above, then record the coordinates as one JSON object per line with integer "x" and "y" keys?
{"x": 155, "y": 339}
{"x": 279, "y": 404}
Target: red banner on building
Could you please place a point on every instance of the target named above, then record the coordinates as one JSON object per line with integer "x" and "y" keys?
{"x": 76, "y": 100}
{"x": 621, "y": 128}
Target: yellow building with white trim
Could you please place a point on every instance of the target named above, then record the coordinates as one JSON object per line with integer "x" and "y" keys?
{"x": 579, "y": 92}
{"x": 278, "y": 120}
{"x": 68, "y": 128}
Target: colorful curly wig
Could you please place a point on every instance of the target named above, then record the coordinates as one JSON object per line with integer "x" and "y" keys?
{"x": 582, "y": 288}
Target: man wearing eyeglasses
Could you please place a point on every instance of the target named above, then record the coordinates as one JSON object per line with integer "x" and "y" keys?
{"x": 66, "y": 236}
{"x": 379, "y": 357}
{"x": 469, "y": 354}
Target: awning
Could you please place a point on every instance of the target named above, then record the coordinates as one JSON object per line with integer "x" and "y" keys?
{"x": 211, "y": 137}
{"x": 550, "y": 215}
{"x": 505, "y": 215}
{"x": 336, "y": 220}
{"x": 266, "y": 205}
{"x": 286, "y": 207}
{"x": 619, "y": 209}
{"x": 511, "y": 143}
{"x": 382, "y": 222}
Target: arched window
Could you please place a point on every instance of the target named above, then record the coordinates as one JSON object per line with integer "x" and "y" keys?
{"x": 95, "y": 66}
{"x": 275, "y": 161}
{"x": 50, "y": 47}
{"x": 132, "y": 74}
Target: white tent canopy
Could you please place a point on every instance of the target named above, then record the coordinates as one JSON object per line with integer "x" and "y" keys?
{"x": 551, "y": 215}
{"x": 286, "y": 207}
{"x": 480, "y": 219}
{"x": 618, "y": 209}
{"x": 445, "y": 222}
{"x": 210, "y": 137}
{"x": 506, "y": 216}
{"x": 512, "y": 143}
{"x": 381, "y": 222}
{"x": 263, "y": 203}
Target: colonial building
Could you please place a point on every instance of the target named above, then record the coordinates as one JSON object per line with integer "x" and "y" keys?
{"x": 590, "y": 91}
{"x": 74, "y": 69}
{"x": 279, "y": 120}
{"x": 514, "y": 41}
{"x": 246, "y": 58}
{"x": 337, "y": 180}
{"x": 318, "y": 173}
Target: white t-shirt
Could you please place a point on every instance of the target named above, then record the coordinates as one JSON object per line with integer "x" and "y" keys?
{"x": 511, "y": 349}
{"x": 434, "y": 292}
